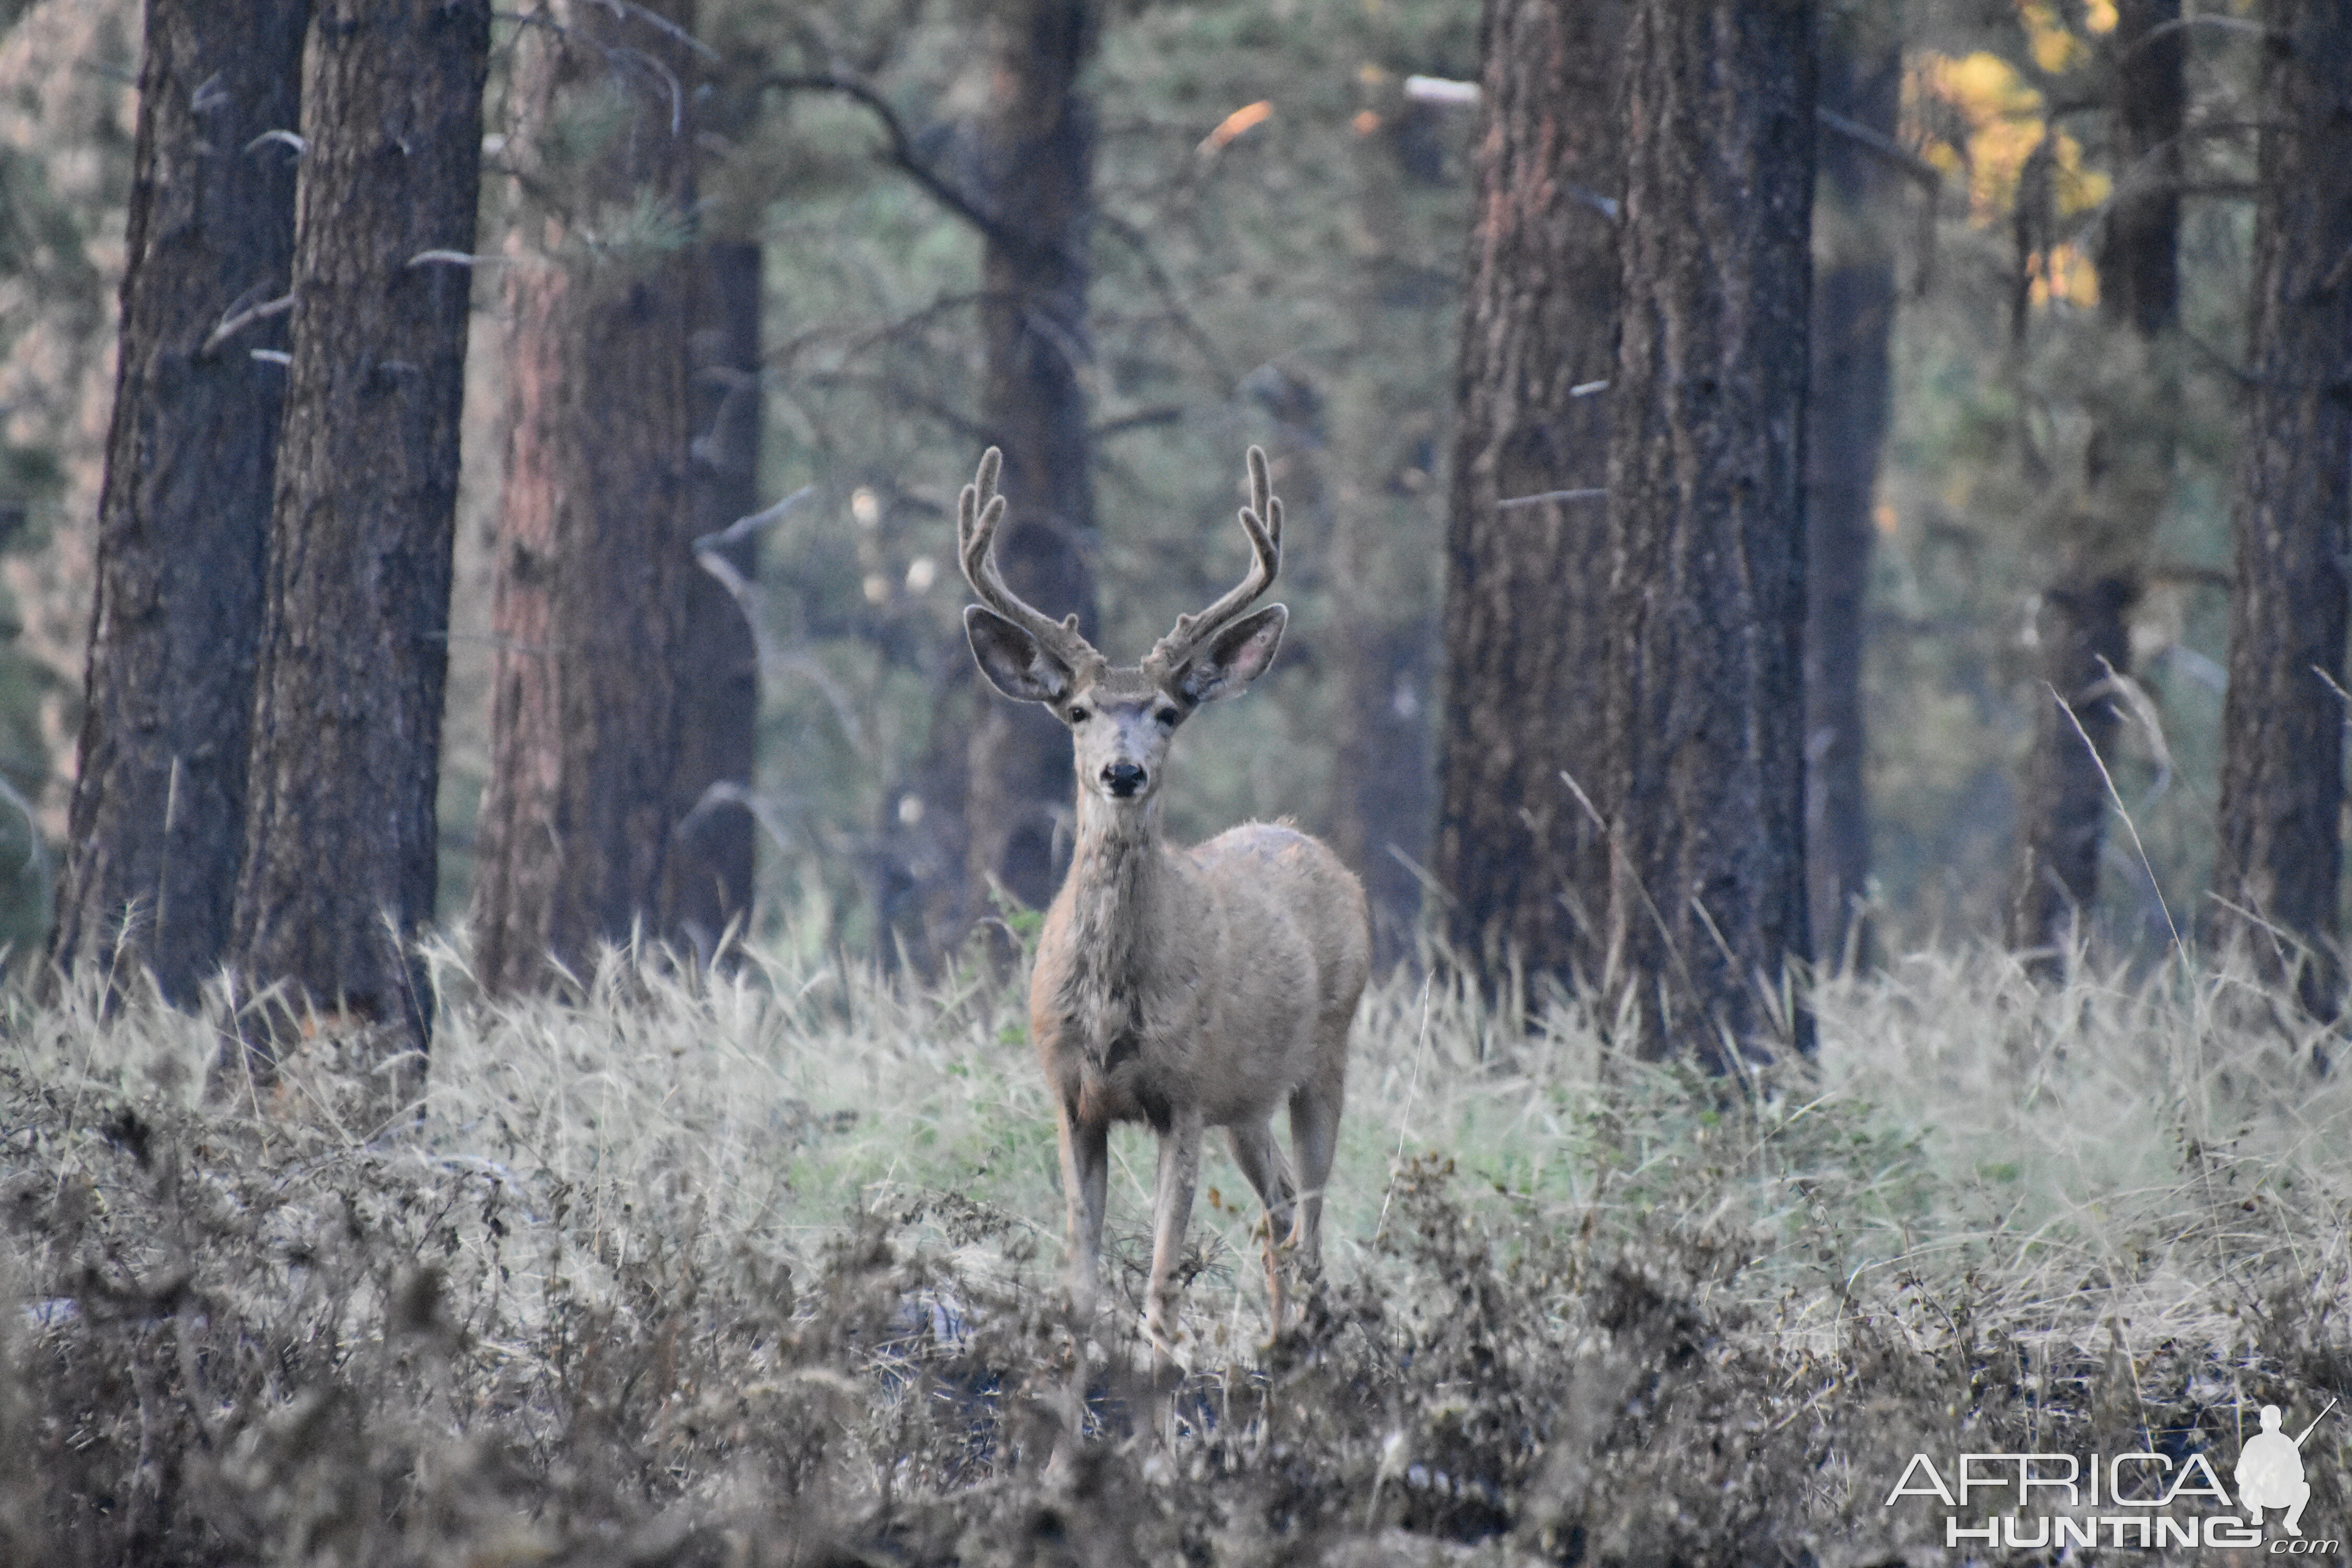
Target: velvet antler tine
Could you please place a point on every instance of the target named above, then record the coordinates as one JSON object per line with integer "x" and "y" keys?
{"x": 978, "y": 513}
{"x": 1262, "y": 522}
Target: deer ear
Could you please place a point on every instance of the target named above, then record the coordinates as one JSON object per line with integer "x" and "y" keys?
{"x": 1236, "y": 657}
{"x": 1012, "y": 660}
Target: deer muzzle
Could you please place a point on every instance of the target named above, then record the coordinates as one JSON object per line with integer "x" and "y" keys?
{"x": 1124, "y": 780}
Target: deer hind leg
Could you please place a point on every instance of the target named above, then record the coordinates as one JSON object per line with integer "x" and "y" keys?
{"x": 1260, "y": 1158}
{"x": 1315, "y": 1139}
{"x": 1171, "y": 1207}
{"x": 1085, "y": 1179}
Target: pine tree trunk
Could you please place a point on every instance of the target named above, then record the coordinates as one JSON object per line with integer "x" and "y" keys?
{"x": 710, "y": 859}
{"x": 2139, "y": 269}
{"x": 1036, "y": 172}
{"x": 1521, "y": 859}
{"x": 339, "y": 862}
{"x": 1380, "y": 642}
{"x": 1853, "y": 315}
{"x": 2282, "y": 722}
{"x": 158, "y": 812}
{"x": 594, "y": 565}
{"x": 2085, "y": 622}
{"x": 1707, "y": 598}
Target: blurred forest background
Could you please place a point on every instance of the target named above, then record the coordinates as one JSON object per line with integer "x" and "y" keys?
{"x": 1281, "y": 197}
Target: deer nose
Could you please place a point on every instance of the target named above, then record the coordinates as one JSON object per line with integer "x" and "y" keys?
{"x": 1124, "y": 779}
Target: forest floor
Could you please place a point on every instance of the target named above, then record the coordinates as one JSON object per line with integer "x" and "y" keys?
{"x": 764, "y": 1269}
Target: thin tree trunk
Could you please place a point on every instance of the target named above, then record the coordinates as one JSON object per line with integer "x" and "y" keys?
{"x": 918, "y": 872}
{"x": 1383, "y": 630}
{"x": 2139, "y": 269}
{"x": 1707, "y": 596}
{"x": 1520, "y": 857}
{"x": 710, "y": 859}
{"x": 1853, "y": 315}
{"x": 595, "y": 567}
{"x": 158, "y": 812}
{"x": 2283, "y": 724}
{"x": 1036, "y": 174}
{"x": 339, "y": 862}
{"x": 2084, "y": 621}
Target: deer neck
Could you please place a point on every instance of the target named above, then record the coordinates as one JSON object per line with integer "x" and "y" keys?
{"x": 1119, "y": 888}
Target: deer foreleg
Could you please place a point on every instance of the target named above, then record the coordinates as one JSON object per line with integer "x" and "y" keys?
{"x": 1172, "y": 1207}
{"x": 1086, "y": 1177}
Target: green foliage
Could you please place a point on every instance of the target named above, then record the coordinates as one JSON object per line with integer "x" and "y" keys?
{"x": 763, "y": 1269}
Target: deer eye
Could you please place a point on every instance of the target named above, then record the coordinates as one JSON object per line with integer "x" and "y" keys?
{"x": 1077, "y": 715}
{"x": 1168, "y": 716}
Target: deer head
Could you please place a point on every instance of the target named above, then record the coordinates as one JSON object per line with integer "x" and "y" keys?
{"x": 1120, "y": 718}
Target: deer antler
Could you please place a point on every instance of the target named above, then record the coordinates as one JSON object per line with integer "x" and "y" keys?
{"x": 979, "y": 510}
{"x": 1262, "y": 520}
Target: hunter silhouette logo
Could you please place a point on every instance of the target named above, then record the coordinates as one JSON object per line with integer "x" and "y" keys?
{"x": 2142, "y": 1498}
{"x": 2270, "y": 1471}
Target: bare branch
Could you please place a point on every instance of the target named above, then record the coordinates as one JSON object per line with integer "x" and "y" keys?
{"x": 900, "y": 153}
{"x": 1883, "y": 146}
{"x": 1541, "y": 497}
{"x": 749, "y": 600}
{"x": 236, "y": 322}
{"x": 1142, "y": 419}
{"x": 750, "y": 527}
{"x": 661, "y": 24}
{"x": 2203, "y": 19}
{"x": 1165, "y": 287}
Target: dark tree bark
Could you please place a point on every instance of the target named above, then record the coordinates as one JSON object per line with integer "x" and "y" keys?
{"x": 1522, "y": 861}
{"x": 2283, "y": 724}
{"x": 710, "y": 858}
{"x": 158, "y": 811}
{"x": 595, "y": 567}
{"x": 1706, "y": 598}
{"x": 2138, "y": 256}
{"x": 2084, "y": 615}
{"x": 1853, "y": 313}
{"x": 1035, "y": 166}
{"x": 339, "y": 862}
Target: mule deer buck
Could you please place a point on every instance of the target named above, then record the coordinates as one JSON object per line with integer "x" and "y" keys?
{"x": 1186, "y": 988}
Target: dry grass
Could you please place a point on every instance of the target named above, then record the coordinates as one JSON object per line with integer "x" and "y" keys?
{"x": 762, "y": 1270}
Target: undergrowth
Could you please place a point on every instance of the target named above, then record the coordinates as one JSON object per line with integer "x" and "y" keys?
{"x": 762, "y": 1269}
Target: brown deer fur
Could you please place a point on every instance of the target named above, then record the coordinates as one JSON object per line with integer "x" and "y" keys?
{"x": 1184, "y": 988}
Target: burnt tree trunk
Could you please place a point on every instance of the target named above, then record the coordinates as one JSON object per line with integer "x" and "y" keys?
{"x": 1035, "y": 165}
{"x": 710, "y": 858}
{"x": 594, "y": 563}
{"x": 2282, "y": 722}
{"x": 339, "y": 861}
{"x": 1704, "y": 745}
{"x": 2085, "y": 616}
{"x": 1853, "y": 313}
{"x": 158, "y": 812}
{"x": 1522, "y": 861}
